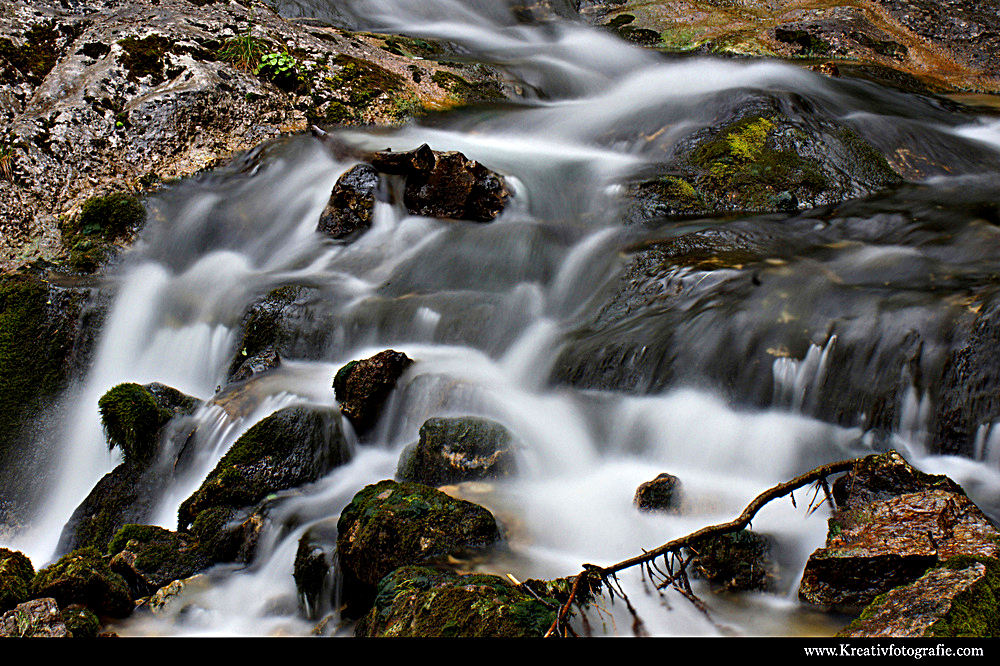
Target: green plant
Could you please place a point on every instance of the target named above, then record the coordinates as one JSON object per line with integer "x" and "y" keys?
{"x": 7, "y": 161}
{"x": 277, "y": 66}
{"x": 243, "y": 52}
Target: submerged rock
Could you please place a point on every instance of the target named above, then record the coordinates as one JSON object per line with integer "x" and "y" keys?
{"x": 352, "y": 203}
{"x": 445, "y": 184}
{"x": 461, "y": 449}
{"x": 420, "y": 602}
{"x": 957, "y": 599}
{"x": 735, "y": 562}
{"x": 661, "y": 494}
{"x": 39, "y": 618}
{"x": 16, "y": 573}
{"x": 363, "y": 387}
{"x": 877, "y": 542}
{"x": 83, "y": 577}
{"x": 389, "y": 525}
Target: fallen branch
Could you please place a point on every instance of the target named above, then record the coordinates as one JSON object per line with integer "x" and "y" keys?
{"x": 593, "y": 576}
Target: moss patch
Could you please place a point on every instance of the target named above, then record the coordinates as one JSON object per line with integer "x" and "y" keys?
{"x": 16, "y": 574}
{"x": 144, "y": 57}
{"x": 975, "y": 613}
{"x": 102, "y": 220}
{"x": 83, "y": 577}
{"x": 363, "y": 82}
{"x": 462, "y": 90}
{"x": 37, "y": 56}
{"x": 131, "y": 420}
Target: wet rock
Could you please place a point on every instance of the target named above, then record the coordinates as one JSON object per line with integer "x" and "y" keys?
{"x": 363, "y": 387}
{"x": 420, "y": 602}
{"x": 389, "y": 525}
{"x": 313, "y": 568}
{"x": 735, "y": 562}
{"x": 16, "y": 573}
{"x": 39, "y": 618}
{"x": 874, "y": 545}
{"x": 445, "y": 184}
{"x": 661, "y": 494}
{"x": 763, "y": 160}
{"x": 149, "y": 557}
{"x": 881, "y": 477}
{"x": 290, "y": 448}
{"x": 83, "y": 577}
{"x": 266, "y": 359}
{"x": 81, "y": 621}
{"x": 456, "y": 450}
{"x": 150, "y": 424}
{"x": 956, "y": 599}
{"x": 352, "y": 203}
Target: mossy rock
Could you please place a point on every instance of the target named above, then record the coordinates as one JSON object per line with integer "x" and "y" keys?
{"x": 420, "y": 602}
{"x": 388, "y": 525}
{"x": 83, "y": 577}
{"x": 90, "y": 236}
{"x": 453, "y": 450}
{"x": 149, "y": 557}
{"x": 363, "y": 82}
{"x": 735, "y": 562}
{"x": 270, "y": 325}
{"x": 880, "y": 477}
{"x": 16, "y": 573}
{"x": 288, "y": 449}
{"x": 132, "y": 419}
{"x": 81, "y": 621}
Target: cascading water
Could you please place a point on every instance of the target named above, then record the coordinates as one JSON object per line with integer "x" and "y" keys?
{"x": 485, "y": 311}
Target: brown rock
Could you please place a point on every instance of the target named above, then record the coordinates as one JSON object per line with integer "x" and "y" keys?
{"x": 38, "y": 618}
{"x": 352, "y": 203}
{"x": 661, "y": 494}
{"x": 362, "y": 387}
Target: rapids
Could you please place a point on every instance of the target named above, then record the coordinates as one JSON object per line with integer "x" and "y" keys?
{"x": 486, "y": 311}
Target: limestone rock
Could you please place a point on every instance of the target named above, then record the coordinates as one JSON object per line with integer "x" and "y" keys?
{"x": 38, "y": 618}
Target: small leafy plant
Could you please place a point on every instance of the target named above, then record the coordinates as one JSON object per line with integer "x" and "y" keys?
{"x": 277, "y": 65}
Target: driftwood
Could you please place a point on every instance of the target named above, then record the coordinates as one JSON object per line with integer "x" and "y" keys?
{"x": 673, "y": 570}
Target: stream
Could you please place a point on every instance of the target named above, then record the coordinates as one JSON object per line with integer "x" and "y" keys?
{"x": 507, "y": 320}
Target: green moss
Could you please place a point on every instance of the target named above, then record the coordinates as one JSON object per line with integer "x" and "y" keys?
{"x": 144, "y": 57}
{"x": 37, "y": 56}
{"x": 102, "y": 220}
{"x": 462, "y": 90}
{"x": 363, "y": 82}
{"x": 131, "y": 420}
{"x": 83, "y": 577}
{"x": 81, "y": 621}
{"x": 16, "y": 573}
{"x": 976, "y": 612}
{"x": 133, "y": 532}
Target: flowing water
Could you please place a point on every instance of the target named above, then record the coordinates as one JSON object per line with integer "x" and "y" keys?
{"x": 486, "y": 311}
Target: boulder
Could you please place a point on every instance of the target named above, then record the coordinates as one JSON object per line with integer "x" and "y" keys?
{"x": 445, "y": 184}
{"x": 735, "y": 562}
{"x": 664, "y": 493}
{"x": 956, "y": 599}
{"x": 150, "y": 425}
{"x": 266, "y": 359}
{"x": 874, "y": 545}
{"x": 287, "y": 449}
{"x": 81, "y": 621}
{"x": 16, "y": 573}
{"x": 38, "y": 618}
{"x": 314, "y": 568}
{"x": 149, "y": 557}
{"x": 421, "y": 602}
{"x": 363, "y": 387}
{"x": 388, "y": 525}
{"x": 83, "y": 577}
{"x": 352, "y": 203}
{"x": 454, "y": 450}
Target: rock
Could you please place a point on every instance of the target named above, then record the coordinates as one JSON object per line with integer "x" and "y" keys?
{"x": 661, "y": 494}
{"x": 456, "y": 450}
{"x": 352, "y": 203}
{"x": 38, "y": 618}
{"x": 81, "y": 621}
{"x": 149, "y": 424}
{"x": 958, "y": 598}
{"x": 735, "y": 562}
{"x": 16, "y": 573}
{"x": 314, "y": 568}
{"x": 445, "y": 184}
{"x": 149, "y": 557}
{"x": 882, "y": 477}
{"x": 134, "y": 92}
{"x": 763, "y": 159}
{"x": 388, "y": 525}
{"x": 287, "y": 449}
{"x": 83, "y": 577}
{"x": 874, "y": 545}
{"x": 420, "y": 602}
{"x": 363, "y": 387}
{"x": 266, "y": 359}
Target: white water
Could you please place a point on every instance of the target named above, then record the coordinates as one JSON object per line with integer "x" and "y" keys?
{"x": 212, "y": 251}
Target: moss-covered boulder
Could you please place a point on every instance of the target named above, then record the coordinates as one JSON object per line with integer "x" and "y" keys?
{"x": 91, "y": 235}
{"x": 84, "y": 577}
{"x": 664, "y": 493}
{"x": 453, "y": 450}
{"x": 959, "y": 598}
{"x": 874, "y": 545}
{"x": 388, "y": 525}
{"x": 445, "y": 184}
{"x": 140, "y": 420}
{"x": 81, "y": 621}
{"x": 148, "y": 557}
{"x": 16, "y": 573}
{"x": 763, "y": 159}
{"x": 352, "y": 203}
{"x": 290, "y": 448}
{"x": 38, "y": 618}
{"x": 363, "y": 387}
{"x": 420, "y": 602}
{"x": 735, "y": 562}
